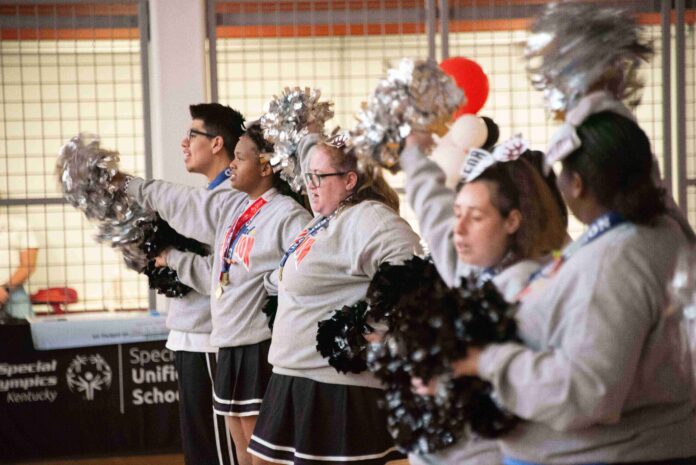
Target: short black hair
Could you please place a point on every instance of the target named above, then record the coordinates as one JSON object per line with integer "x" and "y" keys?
{"x": 220, "y": 120}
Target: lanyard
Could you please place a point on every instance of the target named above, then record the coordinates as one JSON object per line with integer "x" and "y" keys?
{"x": 321, "y": 223}
{"x": 219, "y": 179}
{"x": 597, "y": 228}
{"x": 232, "y": 235}
{"x": 511, "y": 461}
{"x": 491, "y": 272}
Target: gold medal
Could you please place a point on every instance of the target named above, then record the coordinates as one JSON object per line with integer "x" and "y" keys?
{"x": 219, "y": 291}
{"x": 225, "y": 279}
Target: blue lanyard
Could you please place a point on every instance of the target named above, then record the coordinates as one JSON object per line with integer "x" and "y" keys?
{"x": 322, "y": 223}
{"x": 511, "y": 461}
{"x": 597, "y": 228}
{"x": 219, "y": 179}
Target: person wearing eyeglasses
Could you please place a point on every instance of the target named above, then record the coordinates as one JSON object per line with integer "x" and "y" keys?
{"x": 249, "y": 228}
{"x": 208, "y": 148}
{"x": 310, "y": 411}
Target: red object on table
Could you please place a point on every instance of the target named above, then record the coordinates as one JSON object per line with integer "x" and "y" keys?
{"x": 56, "y": 297}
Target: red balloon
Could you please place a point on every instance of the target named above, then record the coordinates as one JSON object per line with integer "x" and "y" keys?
{"x": 469, "y": 77}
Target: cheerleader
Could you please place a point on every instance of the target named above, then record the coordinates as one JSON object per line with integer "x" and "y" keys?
{"x": 249, "y": 227}
{"x": 601, "y": 377}
{"x": 203, "y": 433}
{"x": 500, "y": 222}
{"x": 312, "y": 413}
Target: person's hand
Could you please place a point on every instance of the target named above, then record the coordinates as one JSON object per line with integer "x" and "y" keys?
{"x": 423, "y": 389}
{"x": 376, "y": 336}
{"x": 4, "y": 295}
{"x": 468, "y": 366}
{"x": 119, "y": 180}
{"x": 420, "y": 139}
{"x": 161, "y": 259}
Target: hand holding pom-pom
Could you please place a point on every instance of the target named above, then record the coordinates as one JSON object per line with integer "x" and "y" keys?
{"x": 341, "y": 338}
{"x": 430, "y": 328}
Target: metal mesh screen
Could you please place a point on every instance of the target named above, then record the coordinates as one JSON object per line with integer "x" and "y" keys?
{"x": 342, "y": 48}
{"x": 68, "y": 68}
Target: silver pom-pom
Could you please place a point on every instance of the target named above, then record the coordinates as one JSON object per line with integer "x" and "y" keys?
{"x": 86, "y": 172}
{"x": 416, "y": 95}
{"x": 287, "y": 120}
{"x": 575, "y": 48}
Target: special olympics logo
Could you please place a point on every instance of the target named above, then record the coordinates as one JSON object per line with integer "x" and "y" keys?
{"x": 87, "y": 374}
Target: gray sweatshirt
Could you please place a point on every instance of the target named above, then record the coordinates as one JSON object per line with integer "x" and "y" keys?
{"x": 206, "y": 216}
{"x": 332, "y": 269}
{"x": 433, "y": 204}
{"x": 601, "y": 377}
{"x": 191, "y": 313}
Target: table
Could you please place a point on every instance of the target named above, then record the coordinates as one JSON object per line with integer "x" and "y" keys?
{"x": 109, "y": 399}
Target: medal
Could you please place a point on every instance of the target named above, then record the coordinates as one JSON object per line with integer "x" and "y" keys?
{"x": 224, "y": 280}
{"x": 219, "y": 291}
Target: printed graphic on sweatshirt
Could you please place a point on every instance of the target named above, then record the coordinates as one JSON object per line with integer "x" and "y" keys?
{"x": 242, "y": 249}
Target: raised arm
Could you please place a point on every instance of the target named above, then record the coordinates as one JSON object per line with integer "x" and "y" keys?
{"x": 433, "y": 204}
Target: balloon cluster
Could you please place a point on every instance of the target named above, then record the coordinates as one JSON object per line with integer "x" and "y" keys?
{"x": 575, "y": 48}
{"x": 431, "y": 326}
{"x": 287, "y": 120}
{"x": 341, "y": 338}
{"x": 415, "y": 95}
{"x": 87, "y": 173}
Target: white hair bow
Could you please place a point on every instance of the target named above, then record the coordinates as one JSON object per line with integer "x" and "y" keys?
{"x": 566, "y": 140}
{"x": 478, "y": 160}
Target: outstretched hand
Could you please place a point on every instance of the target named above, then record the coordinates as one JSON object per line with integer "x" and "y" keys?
{"x": 161, "y": 259}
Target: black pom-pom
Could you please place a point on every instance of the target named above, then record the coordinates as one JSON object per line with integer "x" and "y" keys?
{"x": 157, "y": 236}
{"x": 341, "y": 338}
{"x": 270, "y": 307}
{"x": 431, "y": 326}
{"x": 165, "y": 280}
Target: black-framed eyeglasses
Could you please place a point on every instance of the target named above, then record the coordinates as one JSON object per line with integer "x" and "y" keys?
{"x": 195, "y": 132}
{"x": 314, "y": 179}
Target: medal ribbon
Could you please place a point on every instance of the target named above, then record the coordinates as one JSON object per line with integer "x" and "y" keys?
{"x": 322, "y": 222}
{"x": 232, "y": 233}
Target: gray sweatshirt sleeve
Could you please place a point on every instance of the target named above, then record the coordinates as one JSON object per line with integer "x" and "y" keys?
{"x": 193, "y": 270}
{"x": 391, "y": 241}
{"x": 191, "y": 211}
{"x": 584, "y": 378}
{"x": 433, "y": 204}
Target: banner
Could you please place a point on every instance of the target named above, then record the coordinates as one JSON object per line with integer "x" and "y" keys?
{"x": 88, "y": 400}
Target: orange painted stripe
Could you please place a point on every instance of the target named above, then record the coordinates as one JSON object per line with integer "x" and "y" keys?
{"x": 69, "y": 34}
{"x": 69, "y": 10}
{"x": 317, "y": 30}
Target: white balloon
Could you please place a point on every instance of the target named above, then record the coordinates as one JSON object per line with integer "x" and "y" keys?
{"x": 468, "y": 131}
{"x": 450, "y": 152}
{"x": 450, "y": 158}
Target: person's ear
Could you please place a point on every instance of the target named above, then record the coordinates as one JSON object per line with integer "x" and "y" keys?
{"x": 513, "y": 221}
{"x": 218, "y": 144}
{"x": 578, "y": 188}
{"x": 351, "y": 180}
{"x": 266, "y": 169}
